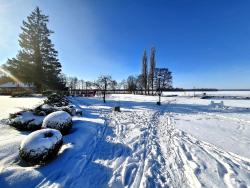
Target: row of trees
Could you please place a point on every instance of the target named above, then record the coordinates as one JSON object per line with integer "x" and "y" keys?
{"x": 149, "y": 81}
{"x": 154, "y": 79}
{"x": 36, "y": 62}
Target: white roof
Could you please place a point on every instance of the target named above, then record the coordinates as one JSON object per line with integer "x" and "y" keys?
{"x": 15, "y": 85}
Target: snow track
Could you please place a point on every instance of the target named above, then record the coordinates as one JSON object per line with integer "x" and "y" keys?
{"x": 147, "y": 166}
{"x": 209, "y": 166}
{"x": 144, "y": 145}
{"x": 163, "y": 156}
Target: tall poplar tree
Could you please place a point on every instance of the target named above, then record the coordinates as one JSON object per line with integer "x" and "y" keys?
{"x": 152, "y": 69}
{"x": 144, "y": 75}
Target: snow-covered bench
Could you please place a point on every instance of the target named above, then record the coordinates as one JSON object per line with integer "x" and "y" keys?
{"x": 217, "y": 105}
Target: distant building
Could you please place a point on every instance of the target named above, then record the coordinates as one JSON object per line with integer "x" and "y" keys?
{"x": 9, "y": 87}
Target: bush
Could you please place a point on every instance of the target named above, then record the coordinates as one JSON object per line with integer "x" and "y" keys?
{"x": 56, "y": 100}
{"x": 69, "y": 109}
{"x": 47, "y": 93}
{"x": 47, "y": 109}
{"x": 26, "y": 121}
{"x": 44, "y": 109}
{"x": 40, "y": 146}
{"x": 59, "y": 120}
{"x": 21, "y": 94}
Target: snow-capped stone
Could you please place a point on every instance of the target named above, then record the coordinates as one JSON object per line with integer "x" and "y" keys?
{"x": 59, "y": 120}
{"x": 40, "y": 146}
{"x": 79, "y": 112}
{"x": 26, "y": 121}
{"x": 42, "y": 113}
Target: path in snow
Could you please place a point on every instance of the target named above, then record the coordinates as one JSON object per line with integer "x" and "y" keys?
{"x": 139, "y": 147}
{"x": 145, "y": 167}
{"x": 166, "y": 157}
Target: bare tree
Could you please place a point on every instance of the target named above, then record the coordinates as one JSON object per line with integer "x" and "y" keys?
{"x": 103, "y": 83}
{"x": 81, "y": 84}
{"x": 140, "y": 83}
{"x": 122, "y": 85}
{"x": 131, "y": 84}
{"x": 163, "y": 78}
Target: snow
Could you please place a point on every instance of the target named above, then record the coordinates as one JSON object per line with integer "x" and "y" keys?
{"x": 12, "y": 104}
{"x": 28, "y": 117}
{"x": 59, "y": 120}
{"x": 37, "y": 142}
{"x": 185, "y": 142}
{"x": 60, "y": 117}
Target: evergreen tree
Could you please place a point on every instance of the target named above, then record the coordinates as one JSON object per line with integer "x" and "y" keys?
{"x": 144, "y": 75}
{"x": 37, "y": 61}
{"x": 152, "y": 69}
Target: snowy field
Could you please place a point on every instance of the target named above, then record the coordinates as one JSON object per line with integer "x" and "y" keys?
{"x": 186, "y": 142}
{"x": 11, "y": 104}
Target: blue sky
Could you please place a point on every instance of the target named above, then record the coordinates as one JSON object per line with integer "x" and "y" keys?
{"x": 205, "y": 43}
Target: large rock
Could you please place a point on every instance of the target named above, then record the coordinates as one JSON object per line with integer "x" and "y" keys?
{"x": 59, "y": 120}
{"x": 41, "y": 146}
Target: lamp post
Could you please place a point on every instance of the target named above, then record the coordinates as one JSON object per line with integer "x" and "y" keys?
{"x": 159, "y": 90}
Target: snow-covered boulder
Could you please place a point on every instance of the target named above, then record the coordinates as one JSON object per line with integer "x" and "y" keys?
{"x": 26, "y": 121}
{"x": 41, "y": 146}
{"x": 59, "y": 120}
{"x": 79, "y": 112}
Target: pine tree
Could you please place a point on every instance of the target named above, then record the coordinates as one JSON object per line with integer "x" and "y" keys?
{"x": 144, "y": 75}
{"x": 37, "y": 58}
{"x": 152, "y": 69}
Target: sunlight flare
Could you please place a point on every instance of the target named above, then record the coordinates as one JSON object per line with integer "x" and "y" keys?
{"x": 15, "y": 79}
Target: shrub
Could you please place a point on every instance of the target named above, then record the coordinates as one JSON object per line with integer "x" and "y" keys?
{"x": 59, "y": 120}
{"x": 21, "y": 93}
{"x": 56, "y": 100}
{"x": 25, "y": 121}
{"x": 47, "y": 92}
{"x": 40, "y": 146}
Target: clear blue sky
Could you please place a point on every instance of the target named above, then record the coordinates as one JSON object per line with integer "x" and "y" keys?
{"x": 206, "y": 43}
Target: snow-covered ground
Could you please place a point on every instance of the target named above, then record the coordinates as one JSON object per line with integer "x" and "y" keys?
{"x": 14, "y": 104}
{"x": 186, "y": 142}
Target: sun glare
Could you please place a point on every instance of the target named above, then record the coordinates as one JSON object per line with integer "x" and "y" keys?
{"x": 15, "y": 79}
